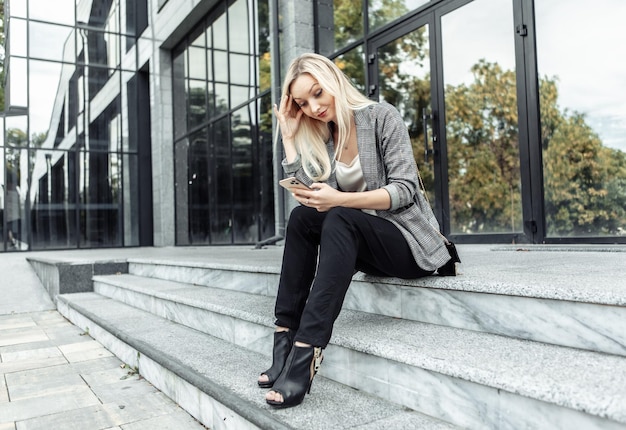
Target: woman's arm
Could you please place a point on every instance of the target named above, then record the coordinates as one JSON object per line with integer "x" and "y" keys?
{"x": 323, "y": 197}
{"x": 397, "y": 156}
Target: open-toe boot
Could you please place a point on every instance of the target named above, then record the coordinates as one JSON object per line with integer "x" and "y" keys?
{"x": 297, "y": 376}
{"x": 283, "y": 341}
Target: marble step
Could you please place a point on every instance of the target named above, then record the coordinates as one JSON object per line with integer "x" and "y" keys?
{"x": 548, "y": 307}
{"x": 471, "y": 379}
{"x": 214, "y": 380}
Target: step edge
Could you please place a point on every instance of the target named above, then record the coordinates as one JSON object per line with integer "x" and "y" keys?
{"x": 453, "y": 370}
{"x": 214, "y": 390}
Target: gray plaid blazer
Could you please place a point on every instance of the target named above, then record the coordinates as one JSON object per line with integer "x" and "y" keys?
{"x": 387, "y": 161}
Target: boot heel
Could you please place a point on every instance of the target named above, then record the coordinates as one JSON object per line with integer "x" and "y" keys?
{"x": 317, "y": 362}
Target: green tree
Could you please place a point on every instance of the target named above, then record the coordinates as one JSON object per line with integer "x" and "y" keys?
{"x": 585, "y": 182}
{"x": 483, "y": 151}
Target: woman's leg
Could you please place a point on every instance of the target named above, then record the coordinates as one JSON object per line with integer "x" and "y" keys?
{"x": 351, "y": 240}
{"x": 299, "y": 265}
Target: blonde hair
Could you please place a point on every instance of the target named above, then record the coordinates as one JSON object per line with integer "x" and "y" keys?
{"x": 312, "y": 134}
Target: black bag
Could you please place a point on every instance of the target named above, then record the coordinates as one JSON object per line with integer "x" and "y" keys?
{"x": 449, "y": 269}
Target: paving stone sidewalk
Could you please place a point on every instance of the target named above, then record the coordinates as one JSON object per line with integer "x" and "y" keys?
{"x": 54, "y": 376}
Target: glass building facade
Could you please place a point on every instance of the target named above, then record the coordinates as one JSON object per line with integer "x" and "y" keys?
{"x": 223, "y": 128}
{"x": 70, "y": 153}
{"x": 148, "y": 122}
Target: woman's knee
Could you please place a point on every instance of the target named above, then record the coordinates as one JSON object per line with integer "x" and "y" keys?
{"x": 340, "y": 217}
{"x": 301, "y": 217}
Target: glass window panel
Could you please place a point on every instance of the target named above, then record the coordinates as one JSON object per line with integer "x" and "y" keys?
{"x": 180, "y": 95}
{"x": 404, "y": 77}
{"x": 352, "y": 63}
{"x": 264, "y": 80}
{"x": 221, "y": 99}
{"x": 266, "y": 167}
{"x": 57, "y": 11}
{"x": 241, "y": 69}
{"x": 18, "y": 93}
{"x": 102, "y": 14}
{"x": 197, "y": 62}
{"x": 239, "y": 27}
{"x": 198, "y": 183}
{"x": 102, "y": 48}
{"x": 46, "y": 103}
{"x": 220, "y": 36}
{"x": 382, "y": 12}
{"x": 53, "y": 220}
{"x": 210, "y": 75}
{"x": 18, "y": 8}
{"x": 221, "y": 167}
{"x": 481, "y": 119}
{"x": 16, "y": 183}
{"x": 182, "y": 163}
{"x": 131, "y": 200}
{"x": 340, "y": 23}
{"x": 197, "y": 103}
{"x": 245, "y": 227}
{"x": 100, "y": 205}
{"x": 220, "y": 66}
{"x": 239, "y": 94}
{"x": 211, "y": 99}
{"x": 198, "y": 37}
{"x": 48, "y": 41}
{"x": 583, "y": 116}
{"x": 18, "y": 40}
{"x": 98, "y": 77}
{"x": 16, "y": 132}
{"x": 209, "y": 37}
{"x": 131, "y": 114}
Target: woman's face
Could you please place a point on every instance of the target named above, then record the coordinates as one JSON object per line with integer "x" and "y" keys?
{"x": 314, "y": 101}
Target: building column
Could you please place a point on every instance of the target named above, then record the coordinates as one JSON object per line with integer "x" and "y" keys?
{"x": 297, "y": 36}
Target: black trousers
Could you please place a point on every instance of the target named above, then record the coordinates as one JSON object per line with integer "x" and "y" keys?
{"x": 322, "y": 252}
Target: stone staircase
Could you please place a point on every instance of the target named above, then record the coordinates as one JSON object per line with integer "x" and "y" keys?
{"x": 516, "y": 344}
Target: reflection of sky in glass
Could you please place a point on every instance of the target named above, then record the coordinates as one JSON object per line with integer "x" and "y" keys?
{"x": 44, "y": 77}
{"x": 589, "y": 64}
{"x": 48, "y": 41}
{"x": 58, "y": 11}
{"x": 466, "y": 39}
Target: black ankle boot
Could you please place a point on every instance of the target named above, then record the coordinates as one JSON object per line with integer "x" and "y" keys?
{"x": 297, "y": 376}
{"x": 283, "y": 341}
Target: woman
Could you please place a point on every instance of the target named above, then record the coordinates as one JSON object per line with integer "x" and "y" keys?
{"x": 363, "y": 212}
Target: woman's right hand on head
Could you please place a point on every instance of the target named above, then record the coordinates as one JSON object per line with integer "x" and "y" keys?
{"x": 287, "y": 121}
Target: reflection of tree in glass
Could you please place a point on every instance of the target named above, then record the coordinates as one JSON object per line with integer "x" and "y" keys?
{"x": 404, "y": 79}
{"x": 483, "y": 152}
{"x": 16, "y": 137}
{"x": 383, "y": 11}
{"x": 585, "y": 182}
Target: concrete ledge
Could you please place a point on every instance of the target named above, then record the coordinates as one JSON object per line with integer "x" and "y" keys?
{"x": 63, "y": 277}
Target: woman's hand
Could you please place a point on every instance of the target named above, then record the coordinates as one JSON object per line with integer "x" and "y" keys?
{"x": 287, "y": 121}
{"x": 322, "y": 197}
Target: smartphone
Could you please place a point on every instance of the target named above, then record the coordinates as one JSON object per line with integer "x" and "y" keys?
{"x": 292, "y": 184}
